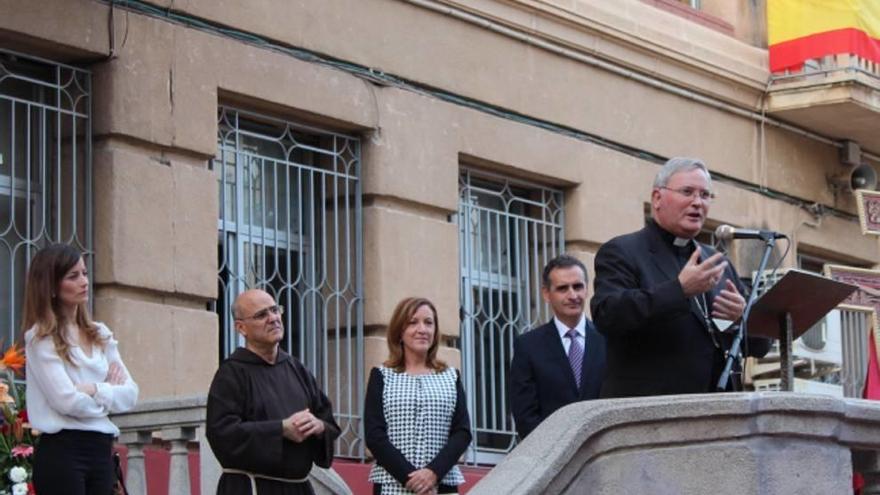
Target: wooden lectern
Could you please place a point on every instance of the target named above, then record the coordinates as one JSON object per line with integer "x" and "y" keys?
{"x": 790, "y": 307}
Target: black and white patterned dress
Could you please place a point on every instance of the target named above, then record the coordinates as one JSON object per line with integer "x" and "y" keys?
{"x": 412, "y": 422}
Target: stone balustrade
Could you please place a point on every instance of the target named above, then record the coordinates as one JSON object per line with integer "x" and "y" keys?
{"x": 768, "y": 443}
{"x": 830, "y": 66}
{"x": 180, "y": 423}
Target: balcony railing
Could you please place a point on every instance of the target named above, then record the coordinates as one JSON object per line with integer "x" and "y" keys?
{"x": 830, "y": 66}
{"x": 179, "y": 425}
{"x": 836, "y": 96}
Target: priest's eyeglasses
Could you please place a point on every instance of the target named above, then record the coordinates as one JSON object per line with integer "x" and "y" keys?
{"x": 264, "y": 313}
{"x": 692, "y": 192}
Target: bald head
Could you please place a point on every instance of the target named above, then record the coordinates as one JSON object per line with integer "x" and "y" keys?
{"x": 246, "y": 300}
{"x": 258, "y": 320}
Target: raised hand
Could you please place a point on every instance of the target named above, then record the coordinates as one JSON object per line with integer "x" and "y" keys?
{"x": 698, "y": 277}
{"x": 729, "y": 303}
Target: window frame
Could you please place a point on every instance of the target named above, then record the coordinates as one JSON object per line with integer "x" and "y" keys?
{"x": 517, "y": 294}
{"x": 294, "y": 228}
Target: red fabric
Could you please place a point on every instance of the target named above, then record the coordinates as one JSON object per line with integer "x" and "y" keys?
{"x": 872, "y": 391}
{"x": 872, "y": 381}
{"x": 792, "y": 54}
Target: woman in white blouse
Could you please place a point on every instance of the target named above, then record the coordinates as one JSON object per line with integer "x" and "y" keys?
{"x": 75, "y": 378}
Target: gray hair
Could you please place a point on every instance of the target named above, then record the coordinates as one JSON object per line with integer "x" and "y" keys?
{"x": 679, "y": 164}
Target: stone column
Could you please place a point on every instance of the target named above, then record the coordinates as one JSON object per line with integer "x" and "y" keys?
{"x": 178, "y": 471}
{"x": 209, "y": 468}
{"x": 135, "y": 476}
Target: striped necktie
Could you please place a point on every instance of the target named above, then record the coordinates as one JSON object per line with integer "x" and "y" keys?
{"x": 575, "y": 356}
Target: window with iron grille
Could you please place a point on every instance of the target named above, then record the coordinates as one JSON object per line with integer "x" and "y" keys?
{"x": 508, "y": 231}
{"x": 290, "y": 223}
{"x": 45, "y": 170}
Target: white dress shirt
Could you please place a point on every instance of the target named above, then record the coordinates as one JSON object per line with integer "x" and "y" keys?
{"x": 54, "y": 403}
{"x": 581, "y": 333}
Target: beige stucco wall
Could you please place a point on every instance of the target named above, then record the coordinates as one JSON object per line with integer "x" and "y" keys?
{"x": 748, "y": 18}
{"x": 155, "y": 105}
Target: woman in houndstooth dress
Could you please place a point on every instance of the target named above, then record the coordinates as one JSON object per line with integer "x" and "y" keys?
{"x": 415, "y": 418}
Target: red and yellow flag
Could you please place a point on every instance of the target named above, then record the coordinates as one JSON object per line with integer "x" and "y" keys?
{"x": 800, "y": 30}
{"x": 872, "y": 379}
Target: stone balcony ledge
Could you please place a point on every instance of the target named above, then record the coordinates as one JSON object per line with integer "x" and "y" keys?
{"x": 837, "y": 96}
{"x": 768, "y": 443}
{"x": 163, "y": 413}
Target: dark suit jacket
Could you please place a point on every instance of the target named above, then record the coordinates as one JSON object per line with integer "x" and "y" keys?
{"x": 541, "y": 380}
{"x": 658, "y": 340}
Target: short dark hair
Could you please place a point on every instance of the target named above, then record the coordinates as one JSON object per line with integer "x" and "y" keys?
{"x": 561, "y": 261}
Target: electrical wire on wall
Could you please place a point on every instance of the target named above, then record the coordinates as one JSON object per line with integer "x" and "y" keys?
{"x": 385, "y": 79}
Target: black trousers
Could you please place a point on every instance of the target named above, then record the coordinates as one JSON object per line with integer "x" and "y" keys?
{"x": 74, "y": 462}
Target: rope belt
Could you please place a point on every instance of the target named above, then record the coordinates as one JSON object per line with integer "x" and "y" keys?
{"x": 254, "y": 476}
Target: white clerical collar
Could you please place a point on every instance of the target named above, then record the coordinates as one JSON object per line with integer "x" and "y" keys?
{"x": 580, "y": 328}
{"x": 681, "y": 242}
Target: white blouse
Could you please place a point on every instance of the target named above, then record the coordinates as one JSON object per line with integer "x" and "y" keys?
{"x": 54, "y": 403}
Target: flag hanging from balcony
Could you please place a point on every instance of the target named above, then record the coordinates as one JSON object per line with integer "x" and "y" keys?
{"x": 872, "y": 380}
{"x": 801, "y": 30}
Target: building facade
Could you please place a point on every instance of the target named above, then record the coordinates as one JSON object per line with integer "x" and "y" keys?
{"x": 344, "y": 154}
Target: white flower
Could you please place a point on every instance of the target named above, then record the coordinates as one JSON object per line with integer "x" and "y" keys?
{"x": 19, "y": 489}
{"x": 17, "y": 475}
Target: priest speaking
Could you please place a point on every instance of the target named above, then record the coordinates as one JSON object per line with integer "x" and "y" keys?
{"x": 267, "y": 420}
{"x": 658, "y": 293}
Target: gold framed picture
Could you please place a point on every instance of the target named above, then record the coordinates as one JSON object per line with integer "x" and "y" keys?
{"x": 869, "y": 211}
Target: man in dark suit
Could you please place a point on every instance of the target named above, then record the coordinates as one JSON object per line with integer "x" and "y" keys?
{"x": 562, "y": 361}
{"x": 658, "y": 293}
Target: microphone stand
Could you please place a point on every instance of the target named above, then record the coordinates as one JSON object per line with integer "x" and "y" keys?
{"x": 742, "y": 331}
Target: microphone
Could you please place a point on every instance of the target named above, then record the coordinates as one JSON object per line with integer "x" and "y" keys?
{"x": 728, "y": 232}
